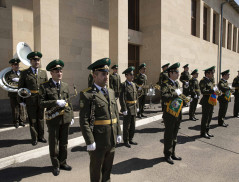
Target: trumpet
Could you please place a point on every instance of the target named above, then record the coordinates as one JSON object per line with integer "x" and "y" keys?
{"x": 185, "y": 98}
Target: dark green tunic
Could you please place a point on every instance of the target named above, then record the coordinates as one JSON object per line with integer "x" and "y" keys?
{"x": 114, "y": 83}
{"x": 194, "y": 91}
{"x": 235, "y": 84}
{"x": 185, "y": 77}
{"x": 90, "y": 80}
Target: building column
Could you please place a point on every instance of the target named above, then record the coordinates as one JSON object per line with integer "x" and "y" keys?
{"x": 118, "y": 33}
{"x": 199, "y": 21}
{"x": 236, "y": 39}
{"x": 46, "y": 29}
{"x": 210, "y": 24}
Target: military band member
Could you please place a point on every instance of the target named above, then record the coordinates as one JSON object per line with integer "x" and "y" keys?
{"x": 129, "y": 106}
{"x": 115, "y": 81}
{"x": 235, "y": 84}
{"x": 184, "y": 78}
{"x": 194, "y": 91}
{"x": 163, "y": 77}
{"x": 99, "y": 122}
{"x": 141, "y": 81}
{"x": 172, "y": 113}
{"x": 225, "y": 98}
{"x": 12, "y": 78}
{"x": 90, "y": 80}
{"x": 31, "y": 79}
{"x": 207, "y": 101}
{"x": 55, "y": 93}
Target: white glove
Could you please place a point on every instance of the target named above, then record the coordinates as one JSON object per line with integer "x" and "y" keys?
{"x": 125, "y": 113}
{"x": 61, "y": 103}
{"x": 186, "y": 83}
{"x": 72, "y": 121}
{"x": 140, "y": 88}
{"x": 119, "y": 139}
{"x": 91, "y": 147}
{"x": 137, "y": 109}
{"x": 230, "y": 86}
{"x": 178, "y": 91}
{"x": 195, "y": 96}
{"x": 15, "y": 79}
{"x": 215, "y": 88}
{"x": 23, "y": 104}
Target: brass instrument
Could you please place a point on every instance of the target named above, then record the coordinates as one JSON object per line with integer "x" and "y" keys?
{"x": 186, "y": 85}
{"x": 154, "y": 86}
{"x": 57, "y": 110}
{"x": 185, "y": 98}
{"x": 24, "y": 93}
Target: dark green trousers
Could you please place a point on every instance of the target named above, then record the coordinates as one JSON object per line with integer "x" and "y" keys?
{"x": 142, "y": 100}
{"x": 128, "y": 127}
{"x": 236, "y": 105}
{"x": 15, "y": 106}
{"x": 207, "y": 112}
{"x": 222, "y": 111}
{"x": 170, "y": 134}
{"x": 101, "y": 161}
{"x": 36, "y": 121}
{"x": 193, "y": 107}
{"x": 58, "y": 140}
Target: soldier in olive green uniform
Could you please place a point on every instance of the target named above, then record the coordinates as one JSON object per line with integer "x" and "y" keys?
{"x": 31, "y": 79}
{"x": 207, "y": 101}
{"x": 235, "y": 84}
{"x": 115, "y": 81}
{"x": 223, "y": 99}
{"x": 12, "y": 78}
{"x": 194, "y": 91}
{"x": 172, "y": 114}
{"x": 184, "y": 78}
{"x": 90, "y": 80}
{"x": 129, "y": 106}
{"x": 163, "y": 78}
{"x": 99, "y": 122}
{"x": 141, "y": 81}
{"x": 55, "y": 93}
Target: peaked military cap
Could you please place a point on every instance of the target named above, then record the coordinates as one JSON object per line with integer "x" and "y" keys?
{"x": 34, "y": 55}
{"x": 185, "y": 66}
{"x": 14, "y": 61}
{"x": 194, "y": 71}
{"x": 143, "y": 65}
{"x": 129, "y": 70}
{"x": 55, "y": 65}
{"x": 115, "y": 66}
{"x": 100, "y": 65}
{"x": 173, "y": 67}
{"x": 225, "y": 72}
{"x": 165, "y": 65}
{"x": 209, "y": 69}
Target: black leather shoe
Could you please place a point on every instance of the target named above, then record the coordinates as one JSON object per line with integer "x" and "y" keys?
{"x": 174, "y": 157}
{"x": 65, "y": 167}
{"x": 127, "y": 144}
{"x": 139, "y": 116}
{"x": 22, "y": 124}
{"x": 223, "y": 125}
{"x": 142, "y": 115}
{"x": 56, "y": 171}
{"x": 34, "y": 143}
{"x": 16, "y": 125}
{"x": 205, "y": 136}
{"x": 193, "y": 119}
{"x": 169, "y": 160}
{"x": 43, "y": 140}
{"x": 133, "y": 143}
{"x": 210, "y": 135}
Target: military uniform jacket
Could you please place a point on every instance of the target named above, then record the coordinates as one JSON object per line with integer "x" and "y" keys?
{"x": 141, "y": 80}
{"x": 206, "y": 87}
{"x": 48, "y": 96}
{"x": 115, "y": 82}
{"x": 235, "y": 84}
{"x": 194, "y": 88}
{"x": 8, "y": 77}
{"x": 102, "y": 135}
{"x": 32, "y": 82}
{"x": 223, "y": 87}
{"x": 163, "y": 77}
{"x": 128, "y": 96}
{"x": 185, "y": 77}
{"x": 168, "y": 93}
{"x": 90, "y": 80}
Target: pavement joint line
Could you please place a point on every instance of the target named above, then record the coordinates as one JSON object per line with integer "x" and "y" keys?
{"x": 36, "y": 153}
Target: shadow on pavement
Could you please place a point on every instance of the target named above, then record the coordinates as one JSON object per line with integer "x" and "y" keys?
{"x": 184, "y": 139}
{"x": 135, "y": 164}
{"x": 79, "y": 148}
{"x": 150, "y": 130}
{"x": 20, "y": 173}
{"x": 10, "y": 143}
{"x": 73, "y": 130}
{"x": 198, "y": 127}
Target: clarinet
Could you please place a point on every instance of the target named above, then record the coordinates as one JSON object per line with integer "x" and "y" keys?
{"x": 92, "y": 110}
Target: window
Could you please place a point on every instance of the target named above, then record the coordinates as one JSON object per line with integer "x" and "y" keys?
{"x": 3, "y": 4}
{"x": 214, "y": 29}
{"x": 229, "y": 36}
{"x": 133, "y": 14}
{"x": 205, "y": 23}
{"x": 224, "y": 33}
{"x": 133, "y": 56}
{"x": 193, "y": 17}
{"x": 234, "y": 39}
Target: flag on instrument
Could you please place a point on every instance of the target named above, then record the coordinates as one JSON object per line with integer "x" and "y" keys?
{"x": 212, "y": 99}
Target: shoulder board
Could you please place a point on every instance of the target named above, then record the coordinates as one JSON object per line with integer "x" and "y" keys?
{"x": 45, "y": 82}
{"x": 165, "y": 81}
{"x": 87, "y": 89}
{"x": 24, "y": 69}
